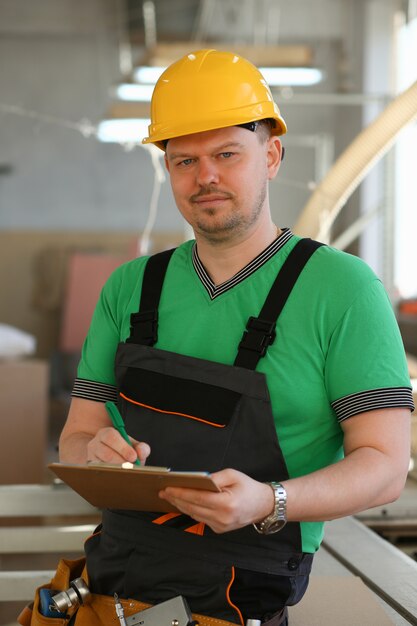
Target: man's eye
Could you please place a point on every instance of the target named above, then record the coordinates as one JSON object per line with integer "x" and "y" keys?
{"x": 226, "y": 155}
{"x": 185, "y": 162}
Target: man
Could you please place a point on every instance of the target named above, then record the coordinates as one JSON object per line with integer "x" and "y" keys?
{"x": 300, "y": 421}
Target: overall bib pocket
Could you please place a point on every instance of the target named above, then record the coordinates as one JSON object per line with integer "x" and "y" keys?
{"x": 169, "y": 411}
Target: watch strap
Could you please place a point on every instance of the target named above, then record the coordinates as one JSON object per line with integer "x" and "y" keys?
{"x": 278, "y": 518}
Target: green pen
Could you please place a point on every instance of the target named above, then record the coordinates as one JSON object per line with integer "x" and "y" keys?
{"x": 118, "y": 423}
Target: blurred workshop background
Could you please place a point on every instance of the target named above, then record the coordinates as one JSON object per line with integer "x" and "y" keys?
{"x": 79, "y": 194}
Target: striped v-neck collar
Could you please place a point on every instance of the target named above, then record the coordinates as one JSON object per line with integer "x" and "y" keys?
{"x": 217, "y": 290}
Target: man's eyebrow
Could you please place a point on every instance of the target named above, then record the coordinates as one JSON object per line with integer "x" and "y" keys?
{"x": 221, "y": 148}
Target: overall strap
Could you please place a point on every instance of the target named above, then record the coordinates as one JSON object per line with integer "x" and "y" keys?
{"x": 260, "y": 331}
{"x": 144, "y": 323}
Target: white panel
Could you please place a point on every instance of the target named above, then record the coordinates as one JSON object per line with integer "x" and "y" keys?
{"x": 375, "y": 243}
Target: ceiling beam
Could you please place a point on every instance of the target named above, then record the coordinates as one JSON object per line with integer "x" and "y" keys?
{"x": 163, "y": 54}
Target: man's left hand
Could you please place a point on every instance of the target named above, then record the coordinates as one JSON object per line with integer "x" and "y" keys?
{"x": 240, "y": 501}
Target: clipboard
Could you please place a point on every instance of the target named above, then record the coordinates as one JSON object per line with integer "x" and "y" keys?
{"x": 113, "y": 487}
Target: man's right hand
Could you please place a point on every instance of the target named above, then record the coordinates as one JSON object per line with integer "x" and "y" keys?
{"x": 88, "y": 435}
{"x": 110, "y": 447}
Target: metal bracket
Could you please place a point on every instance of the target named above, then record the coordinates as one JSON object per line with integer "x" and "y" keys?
{"x": 174, "y": 612}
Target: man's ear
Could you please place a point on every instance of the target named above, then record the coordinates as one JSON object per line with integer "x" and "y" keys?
{"x": 274, "y": 156}
{"x": 166, "y": 162}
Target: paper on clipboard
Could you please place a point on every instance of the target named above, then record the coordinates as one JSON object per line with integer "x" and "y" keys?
{"x": 113, "y": 487}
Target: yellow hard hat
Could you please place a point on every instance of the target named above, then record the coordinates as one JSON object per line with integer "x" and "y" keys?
{"x": 209, "y": 89}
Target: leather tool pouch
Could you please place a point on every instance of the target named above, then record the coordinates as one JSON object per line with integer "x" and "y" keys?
{"x": 66, "y": 571}
{"x": 98, "y": 612}
{"x": 101, "y": 609}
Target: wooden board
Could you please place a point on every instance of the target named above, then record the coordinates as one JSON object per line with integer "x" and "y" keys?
{"x": 338, "y": 600}
{"x": 383, "y": 568}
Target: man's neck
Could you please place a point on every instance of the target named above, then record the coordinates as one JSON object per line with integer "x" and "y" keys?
{"x": 222, "y": 261}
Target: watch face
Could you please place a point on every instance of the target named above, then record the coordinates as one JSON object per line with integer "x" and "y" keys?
{"x": 274, "y": 526}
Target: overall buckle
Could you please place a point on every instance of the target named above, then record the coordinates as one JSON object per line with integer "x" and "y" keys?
{"x": 144, "y": 328}
{"x": 259, "y": 334}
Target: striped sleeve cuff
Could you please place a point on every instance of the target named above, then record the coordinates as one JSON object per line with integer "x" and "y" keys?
{"x": 91, "y": 390}
{"x": 374, "y": 399}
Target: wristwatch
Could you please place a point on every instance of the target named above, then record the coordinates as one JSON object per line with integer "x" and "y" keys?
{"x": 278, "y": 518}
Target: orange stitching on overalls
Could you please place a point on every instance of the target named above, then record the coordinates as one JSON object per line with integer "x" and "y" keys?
{"x": 192, "y": 417}
{"x": 228, "y": 596}
{"x": 165, "y": 518}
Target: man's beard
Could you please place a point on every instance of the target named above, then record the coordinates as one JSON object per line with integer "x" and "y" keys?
{"x": 228, "y": 226}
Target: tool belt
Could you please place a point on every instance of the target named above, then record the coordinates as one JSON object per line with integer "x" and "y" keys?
{"x": 101, "y": 610}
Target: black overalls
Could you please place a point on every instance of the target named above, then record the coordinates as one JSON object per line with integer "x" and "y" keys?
{"x": 201, "y": 415}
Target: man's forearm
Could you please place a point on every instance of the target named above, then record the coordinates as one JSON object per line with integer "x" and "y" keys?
{"x": 86, "y": 418}
{"x": 364, "y": 479}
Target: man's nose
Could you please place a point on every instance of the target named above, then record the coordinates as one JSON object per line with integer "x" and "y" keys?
{"x": 207, "y": 172}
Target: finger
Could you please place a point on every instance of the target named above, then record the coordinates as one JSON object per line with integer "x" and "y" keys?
{"x": 123, "y": 449}
{"x": 142, "y": 449}
{"x": 101, "y": 452}
{"x": 217, "y": 519}
{"x": 194, "y": 501}
{"x": 109, "y": 446}
{"x": 197, "y": 512}
{"x": 191, "y": 496}
{"x": 225, "y": 478}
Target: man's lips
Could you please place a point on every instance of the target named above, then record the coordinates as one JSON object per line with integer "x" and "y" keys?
{"x": 209, "y": 198}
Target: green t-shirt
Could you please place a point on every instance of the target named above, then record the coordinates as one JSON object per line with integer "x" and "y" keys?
{"x": 337, "y": 351}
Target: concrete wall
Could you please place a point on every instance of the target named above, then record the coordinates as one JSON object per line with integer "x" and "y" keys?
{"x": 57, "y": 64}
